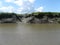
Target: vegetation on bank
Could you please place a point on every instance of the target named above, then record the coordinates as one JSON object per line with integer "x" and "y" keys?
{"x": 36, "y": 14}
{"x": 37, "y": 17}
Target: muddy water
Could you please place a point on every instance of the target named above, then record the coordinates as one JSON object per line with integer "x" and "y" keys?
{"x": 29, "y": 34}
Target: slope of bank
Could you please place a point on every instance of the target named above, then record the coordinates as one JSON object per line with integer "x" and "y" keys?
{"x": 36, "y": 17}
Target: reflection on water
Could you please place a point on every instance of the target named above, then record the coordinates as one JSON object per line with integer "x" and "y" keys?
{"x": 29, "y": 34}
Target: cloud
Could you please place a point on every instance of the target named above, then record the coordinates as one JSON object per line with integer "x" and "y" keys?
{"x": 1, "y": 3}
{"x": 25, "y": 10}
{"x": 23, "y": 2}
{"x": 32, "y": 1}
{"x": 24, "y": 6}
{"x": 7, "y": 9}
{"x": 39, "y": 9}
{"x": 19, "y": 2}
{"x": 8, "y": 0}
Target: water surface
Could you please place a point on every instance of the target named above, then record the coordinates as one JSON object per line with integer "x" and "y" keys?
{"x": 29, "y": 34}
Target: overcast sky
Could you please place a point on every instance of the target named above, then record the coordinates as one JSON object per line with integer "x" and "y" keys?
{"x": 27, "y": 6}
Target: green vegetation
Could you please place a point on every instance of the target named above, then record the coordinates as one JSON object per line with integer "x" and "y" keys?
{"x": 49, "y": 14}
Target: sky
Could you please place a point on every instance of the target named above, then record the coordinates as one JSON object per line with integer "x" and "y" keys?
{"x": 28, "y": 6}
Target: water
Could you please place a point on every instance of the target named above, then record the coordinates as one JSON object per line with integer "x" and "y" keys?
{"x": 29, "y": 34}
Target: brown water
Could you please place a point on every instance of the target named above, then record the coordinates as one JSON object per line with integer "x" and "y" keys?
{"x": 29, "y": 34}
